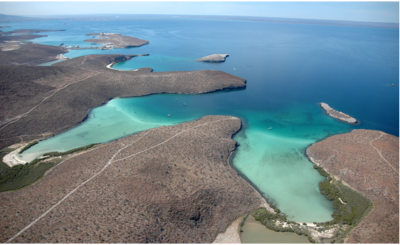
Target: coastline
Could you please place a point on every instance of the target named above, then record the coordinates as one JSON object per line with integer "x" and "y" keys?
{"x": 109, "y": 66}
{"x": 77, "y": 80}
{"x": 12, "y": 159}
{"x": 231, "y": 235}
{"x": 232, "y": 154}
{"x": 263, "y": 200}
{"x": 362, "y": 163}
{"x": 196, "y": 198}
{"x": 365, "y": 215}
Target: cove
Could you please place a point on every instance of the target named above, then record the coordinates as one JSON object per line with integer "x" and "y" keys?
{"x": 255, "y": 232}
{"x": 272, "y": 160}
{"x": 289, "y": 69}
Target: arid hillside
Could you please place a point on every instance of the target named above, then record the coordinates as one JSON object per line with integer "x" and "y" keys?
{"x": 37, "y": 100}
{"x": 30, "y": 54}
{"x": 169, "y": 184}
{"x": 368, "y": 161}
{"x": 120, "y": 41}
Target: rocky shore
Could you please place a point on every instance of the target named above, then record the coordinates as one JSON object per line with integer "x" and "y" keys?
{"x": 338, "y": 115}
{"x": 367, "y": 161}
{"x": 214, "y": 58}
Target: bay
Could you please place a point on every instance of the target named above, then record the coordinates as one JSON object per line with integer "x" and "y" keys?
{"x": 289, "y": 68}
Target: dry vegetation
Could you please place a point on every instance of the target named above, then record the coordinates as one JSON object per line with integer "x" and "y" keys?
{"x": 37, "y": 100}
{"x": 29, "y": 54}
{"x": 181, "y": 189}
{"x": 353, "y": 158}
{"x": 170, "y": 184}
{"x": 120, "y": 41}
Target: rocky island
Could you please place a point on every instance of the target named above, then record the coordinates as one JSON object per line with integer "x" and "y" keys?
{"x": 367, "y": 161}
{"x": 214, "y": 58}
{"x": 337, "y": 114}
{"x": 115, "y": 40}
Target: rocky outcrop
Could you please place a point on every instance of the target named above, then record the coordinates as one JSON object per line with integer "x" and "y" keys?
{"x": 368, "y": 161}
{"x": 338, "y": 115}
{"x": 115, "y": 40}
{"x": 214, "y": 58}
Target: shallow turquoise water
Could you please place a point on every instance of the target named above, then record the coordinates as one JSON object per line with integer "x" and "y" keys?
{"x": 273, "y": 159}
{"x": 289, "y": 69}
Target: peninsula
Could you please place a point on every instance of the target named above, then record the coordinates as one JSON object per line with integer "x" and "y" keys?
{"x": 166, "y": 185}
{"x": 337, "y": 114}
{"x": 214, "y": 58}
{"x": 115, "y": 40}
{"x": 39, "y": 100}
{"x": 23, "y": 31}
{"x": 11, "y": 42}
{"x": 367, "y": 161}
{"x": 169, "y": 184}
{"x": 28, "y": 54}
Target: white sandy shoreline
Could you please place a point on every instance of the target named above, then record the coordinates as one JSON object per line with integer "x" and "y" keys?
{"x": 12, "y": 159}
{"x": 109, "y": 66}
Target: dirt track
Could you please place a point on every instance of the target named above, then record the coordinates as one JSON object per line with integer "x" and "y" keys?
{"x": 368, "y": 161}
{"x": 37, "y": 100}
{"x": 169, "y": 184}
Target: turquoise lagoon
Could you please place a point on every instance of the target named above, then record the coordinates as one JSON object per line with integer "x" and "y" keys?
{"x": 289, "y": 68}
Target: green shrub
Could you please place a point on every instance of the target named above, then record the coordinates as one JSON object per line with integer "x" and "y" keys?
{"x": 22, "y": 175}
{"x": 321, "y": 171}
{"x": 56, "y": 154}
{"x": 28, "y": 146}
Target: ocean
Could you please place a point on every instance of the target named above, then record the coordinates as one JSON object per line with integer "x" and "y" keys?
{"x": 289, "y": 69}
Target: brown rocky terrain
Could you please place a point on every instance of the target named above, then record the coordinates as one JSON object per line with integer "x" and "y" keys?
{"x": 4, "y": 39}
{"x": 338, "y": 114}
{"x": 37, "y": 100}
{"x": 120, "y": 41}
{"x": 368, "y": 161}
{"x": 214, "y": 58}
{"x": 30, "y": 54}
{"x": 37, "y": 53}
{"x": 169, "y": 184}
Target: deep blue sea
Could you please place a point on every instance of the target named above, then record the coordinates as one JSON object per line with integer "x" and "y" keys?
{"x": 289, "y": 69}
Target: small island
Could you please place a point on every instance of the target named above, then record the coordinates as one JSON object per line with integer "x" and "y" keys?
{"x": 214, "y": 58}
{"x": 338, "y": 115}
{"x": 115, "y": 40}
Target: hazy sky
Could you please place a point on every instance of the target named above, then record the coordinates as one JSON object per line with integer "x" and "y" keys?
{"x": 354, "y": 11}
